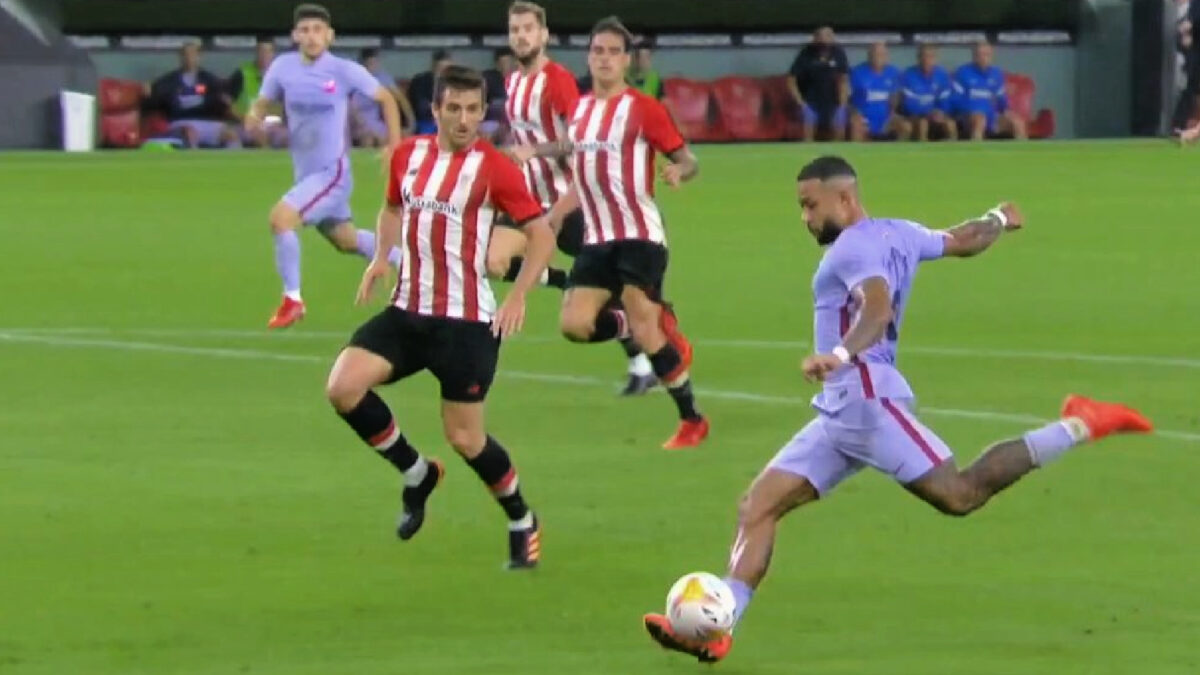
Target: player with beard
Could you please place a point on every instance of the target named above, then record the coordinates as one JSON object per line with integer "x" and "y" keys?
{"x": 541, "y": 96}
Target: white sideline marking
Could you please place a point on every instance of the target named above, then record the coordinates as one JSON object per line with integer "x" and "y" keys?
{"x": 953, "y": 352}
{"x": 576, "y": 380}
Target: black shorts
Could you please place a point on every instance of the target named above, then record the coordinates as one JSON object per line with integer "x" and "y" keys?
{"x": 616, "y": 264}
{"x": 461, "y": 354}
{"x": 570, "y": 237}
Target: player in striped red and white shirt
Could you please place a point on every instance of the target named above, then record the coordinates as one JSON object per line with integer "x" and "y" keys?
{"x": 541, "y": 97}
{"x": 614, "y": 136}
{"x": 443, "y": 193}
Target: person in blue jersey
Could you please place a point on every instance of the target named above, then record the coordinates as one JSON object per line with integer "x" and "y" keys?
{"x": 982, "y": 103}
{"x": 927, "y": 97}
{"x": 875, "y": 96}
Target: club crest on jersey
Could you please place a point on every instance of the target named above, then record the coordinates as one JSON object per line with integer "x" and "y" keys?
{"x": 329, "y": 86}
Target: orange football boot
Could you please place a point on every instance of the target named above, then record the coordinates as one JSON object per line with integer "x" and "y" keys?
{"x": 689, "y": 434}
{"x": 290, "y": 311}
{"x": 659, "y": 628}
{"x": 1104, "y": 419}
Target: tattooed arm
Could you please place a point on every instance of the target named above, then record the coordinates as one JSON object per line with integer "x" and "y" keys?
{"x": 554, "y": 149}
{"x": 975, "y": 236}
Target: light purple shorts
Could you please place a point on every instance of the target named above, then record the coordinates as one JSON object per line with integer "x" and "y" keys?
{"x": 208, "y": 132}
{"x": 882, "y": 433}
{"x": 324, "y": 196}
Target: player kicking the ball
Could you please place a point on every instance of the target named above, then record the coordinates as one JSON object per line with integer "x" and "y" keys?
{"x": 614, "y": 135}
{"x": 864, "y": 412}
{"x": 541, "y": 97}
{"x": 315, "y": 86}
{"x": 442, "y": 195}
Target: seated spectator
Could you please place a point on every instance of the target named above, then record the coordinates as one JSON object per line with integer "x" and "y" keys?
{"x": 367, "y": 126}
{"x": 495, "y": 79}
{"x": 818, "y": 83}
{"x": 982, "y": 103}
{"x": 928, "y": 100}
{"x": 420, "y": 92}
{"x": 642, "y": 74}
{"x": 875, "y": 97}
{"x": 195, "y": 103}
{"x": 243, "y": 87}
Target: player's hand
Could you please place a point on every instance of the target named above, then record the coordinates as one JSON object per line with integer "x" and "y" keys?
{"x": 520, "y": 153}
{"x": 818, "y": 366}
{"x": 672, "y": 174}
{"x": 378, "y": 269}
{"x": 1015, "y": 220}
{"x": 252, "y": 122}
{"x": 510, "y": 318}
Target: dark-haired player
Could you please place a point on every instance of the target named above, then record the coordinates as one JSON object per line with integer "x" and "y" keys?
{"x": 315, "y": 88}
{"x": 443, "y": 193}
{"x": 865, "y": 411}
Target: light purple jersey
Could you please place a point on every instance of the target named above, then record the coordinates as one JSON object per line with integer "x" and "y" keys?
{"x": 316, "y": 96}
{"x": 892, "y": 250}
{"x": 367, "y": 105}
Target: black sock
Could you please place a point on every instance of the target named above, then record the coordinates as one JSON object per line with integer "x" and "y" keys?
{"x": 496, "y": 471}
{"x": 514, "y": 268}
{"x": 631, "y": 348}
{"x": 373, "y": 422}
{"x": 556, "y": 278}
{"x": 608, "y": 326}
{"x": 665, "y": 362}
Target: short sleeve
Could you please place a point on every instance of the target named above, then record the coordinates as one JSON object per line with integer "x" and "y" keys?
{"x": 855, "y": 261}
{"x": 396, "y": 171}
{"x": 271, "y": 87}
{"x": 929, "y": 244}
{"x": 658, "y": 128}
{"x": 508, "y": 191}
{"x": 360, "y": 79}
{"x": 564, "y": 95}
{"x": 841, "y": 60}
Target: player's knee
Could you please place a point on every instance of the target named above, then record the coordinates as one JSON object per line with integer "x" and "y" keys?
{"x": 575, "y": 326}
{"x": 283, "y": 219}
{"x": 465, "y": 440}
{"x": 343, "y": 394}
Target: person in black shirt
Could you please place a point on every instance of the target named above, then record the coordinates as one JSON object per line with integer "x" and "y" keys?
{"x": 495, "y": 81}
{"x": 195, "y": 103}
{"x": 819, "y": 84}
{"x": 420, "y": 92}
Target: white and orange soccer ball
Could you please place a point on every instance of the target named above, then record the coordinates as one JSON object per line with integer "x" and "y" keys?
{"x": 700, "y": 607}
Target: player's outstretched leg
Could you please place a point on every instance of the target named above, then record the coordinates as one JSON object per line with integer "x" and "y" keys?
{"x": 641, "y": 373}
{"x": 349, "y": 239}
{"x": 504, "y": 257}
{"x": 284, "y": 221}
{"x": 1083, "y": 420}
{"x": 464, "y": 429}
{"x": 349, "y": 389}
{"x": 656, "y": 328}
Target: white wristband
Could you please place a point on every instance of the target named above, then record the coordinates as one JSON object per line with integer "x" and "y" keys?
{"x": 998, "y": 214}
{"x": 841, "y": 353}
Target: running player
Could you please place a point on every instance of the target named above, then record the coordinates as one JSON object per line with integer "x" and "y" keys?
{"x": 315, "y": 88}
{"x": 865, "y": 411}
{"x": 442, "y": 194}
{"x": 541, "y": 96}
{"x": 614, "y": 135}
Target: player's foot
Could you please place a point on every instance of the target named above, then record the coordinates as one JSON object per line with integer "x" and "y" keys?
{"x": 659, "y": 628}
{"x": 412, "y": 517}
{"x": 1103, "y": 419}
{"x": 525, "y": 547}
{"x": 669, "y": 324}
{"x": 639, "y": 384}
{"x": 689, "y": 434}
{"x": 290, "y": 311}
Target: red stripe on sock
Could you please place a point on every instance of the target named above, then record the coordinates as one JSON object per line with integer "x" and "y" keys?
{"x": 505, "y": 483}
{"x": 383, "y": 435}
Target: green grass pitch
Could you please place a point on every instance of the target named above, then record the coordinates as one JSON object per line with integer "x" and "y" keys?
{"x": 177, "y": 497}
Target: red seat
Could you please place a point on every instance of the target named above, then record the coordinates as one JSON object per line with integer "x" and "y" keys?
{"x": 745, "y": 110}
{"x": 1020, "y": 90}
{"x": 120, "y": 113}
{"x": 691, "y": 101}
{"x": 780, "y": 102}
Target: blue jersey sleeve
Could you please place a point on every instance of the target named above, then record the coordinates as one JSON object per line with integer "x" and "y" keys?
{"x": 943, "y": 92}
{"x": 359, "y": 79}
{"x": 999, "y": 92}
{"x": 858, "y": 86}
{"x": 271, "y": 87}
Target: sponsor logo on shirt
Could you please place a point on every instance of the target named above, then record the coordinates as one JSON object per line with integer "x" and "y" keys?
{"x": 596, "y": 146}
{"x": 431, "y": 205}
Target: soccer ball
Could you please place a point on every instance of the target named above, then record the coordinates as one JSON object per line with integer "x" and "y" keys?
{"x": 700, "y": 607}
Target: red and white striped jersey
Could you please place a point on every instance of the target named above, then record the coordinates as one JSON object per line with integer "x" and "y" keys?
{"x": 615, "y": 143}
{"x": 448, "y": 201}
{"x": 538, "y": 108}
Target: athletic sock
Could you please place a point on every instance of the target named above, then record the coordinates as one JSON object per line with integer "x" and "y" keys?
{"x": 551, "y": 276}
{"x": 495, "y": 469}
{"x": 742, "y": 595}
{"x": 287, "y": 262}
{"x": 1051, "y": 441}
{"x": 610, "y": 324}
{"x": 372, "y": 420}
{"x": 664, "y": 363}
